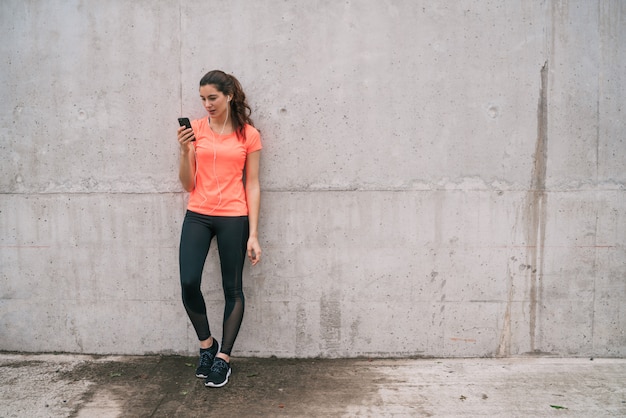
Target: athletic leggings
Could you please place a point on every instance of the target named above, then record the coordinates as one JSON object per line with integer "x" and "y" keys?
{"x": 232, "y": 237}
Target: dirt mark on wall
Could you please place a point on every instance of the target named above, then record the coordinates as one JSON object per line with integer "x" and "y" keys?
{"x": 533, "y": 212}
{"x": 535, "y": 209}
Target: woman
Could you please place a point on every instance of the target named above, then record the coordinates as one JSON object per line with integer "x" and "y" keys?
{"x": 219, "y": 166}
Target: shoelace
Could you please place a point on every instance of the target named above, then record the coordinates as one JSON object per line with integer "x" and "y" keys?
{"x": 205, "y": 359}
{"x": 219, "y": 366}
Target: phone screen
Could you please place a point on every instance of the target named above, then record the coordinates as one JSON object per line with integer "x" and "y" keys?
{"x": 184, "y": 122}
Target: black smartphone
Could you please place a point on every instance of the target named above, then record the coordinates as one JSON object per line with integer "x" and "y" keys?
{"x": 185, "y": 122}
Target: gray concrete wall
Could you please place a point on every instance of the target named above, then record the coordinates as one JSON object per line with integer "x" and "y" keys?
{"x": 439, "y": 178}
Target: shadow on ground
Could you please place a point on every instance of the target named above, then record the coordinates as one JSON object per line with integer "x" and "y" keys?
{"x": 167, "y": 386}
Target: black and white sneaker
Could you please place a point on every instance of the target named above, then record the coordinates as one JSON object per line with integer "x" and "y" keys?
{"x": 207, "y": 355}
{"x": 219, "y": 374}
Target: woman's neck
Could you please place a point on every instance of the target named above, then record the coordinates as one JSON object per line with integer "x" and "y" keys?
{"x": 221, "y": 125}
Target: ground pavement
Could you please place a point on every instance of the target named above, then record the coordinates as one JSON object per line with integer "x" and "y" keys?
{"x": 47, "y": 385}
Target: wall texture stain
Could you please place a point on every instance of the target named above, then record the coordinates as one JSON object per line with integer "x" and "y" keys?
{"x": 536, "y": 207}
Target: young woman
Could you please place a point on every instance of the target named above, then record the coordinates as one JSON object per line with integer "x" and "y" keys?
{"x": 219, "y": 166}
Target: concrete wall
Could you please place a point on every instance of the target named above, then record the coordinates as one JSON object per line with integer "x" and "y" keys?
{"x": 439, "y": 178}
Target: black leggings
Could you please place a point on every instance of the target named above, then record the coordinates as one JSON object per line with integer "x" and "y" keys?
{"x": 232, "y": 237}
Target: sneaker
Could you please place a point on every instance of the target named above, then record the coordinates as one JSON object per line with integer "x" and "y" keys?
{"x": 218, "y": 376}
{"x": 207, "y": 355}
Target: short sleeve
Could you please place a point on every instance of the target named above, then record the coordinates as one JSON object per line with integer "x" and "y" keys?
{"x": 253, "y": 140}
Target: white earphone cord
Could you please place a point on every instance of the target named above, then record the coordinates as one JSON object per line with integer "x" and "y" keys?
{"x": 219, "y": 189}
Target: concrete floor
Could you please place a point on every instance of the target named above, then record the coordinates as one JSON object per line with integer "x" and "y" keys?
{"x": 165, "y": 386}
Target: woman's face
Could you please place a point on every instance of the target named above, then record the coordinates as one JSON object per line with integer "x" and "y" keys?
{"x": 214, "y": 101}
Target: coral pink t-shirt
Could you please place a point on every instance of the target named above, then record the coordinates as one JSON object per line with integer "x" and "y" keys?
{"x": 220, "y": 163}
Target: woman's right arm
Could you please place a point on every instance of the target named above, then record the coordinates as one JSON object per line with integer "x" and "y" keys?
{"x": 187, "y": 168}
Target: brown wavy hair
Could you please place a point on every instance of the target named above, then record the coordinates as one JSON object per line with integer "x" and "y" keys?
{"x": 239, "y": 109}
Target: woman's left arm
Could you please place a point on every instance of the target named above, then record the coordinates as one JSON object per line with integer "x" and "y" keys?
{"x": 253, "y": 197}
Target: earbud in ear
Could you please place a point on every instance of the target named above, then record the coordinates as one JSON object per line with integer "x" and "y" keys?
{"x": 229, "y": 98}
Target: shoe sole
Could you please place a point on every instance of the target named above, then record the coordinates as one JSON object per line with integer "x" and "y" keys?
{"x": 218, "y": 385}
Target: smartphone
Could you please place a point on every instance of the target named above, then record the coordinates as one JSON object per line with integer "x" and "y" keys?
{"x": 185, "y": 122}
